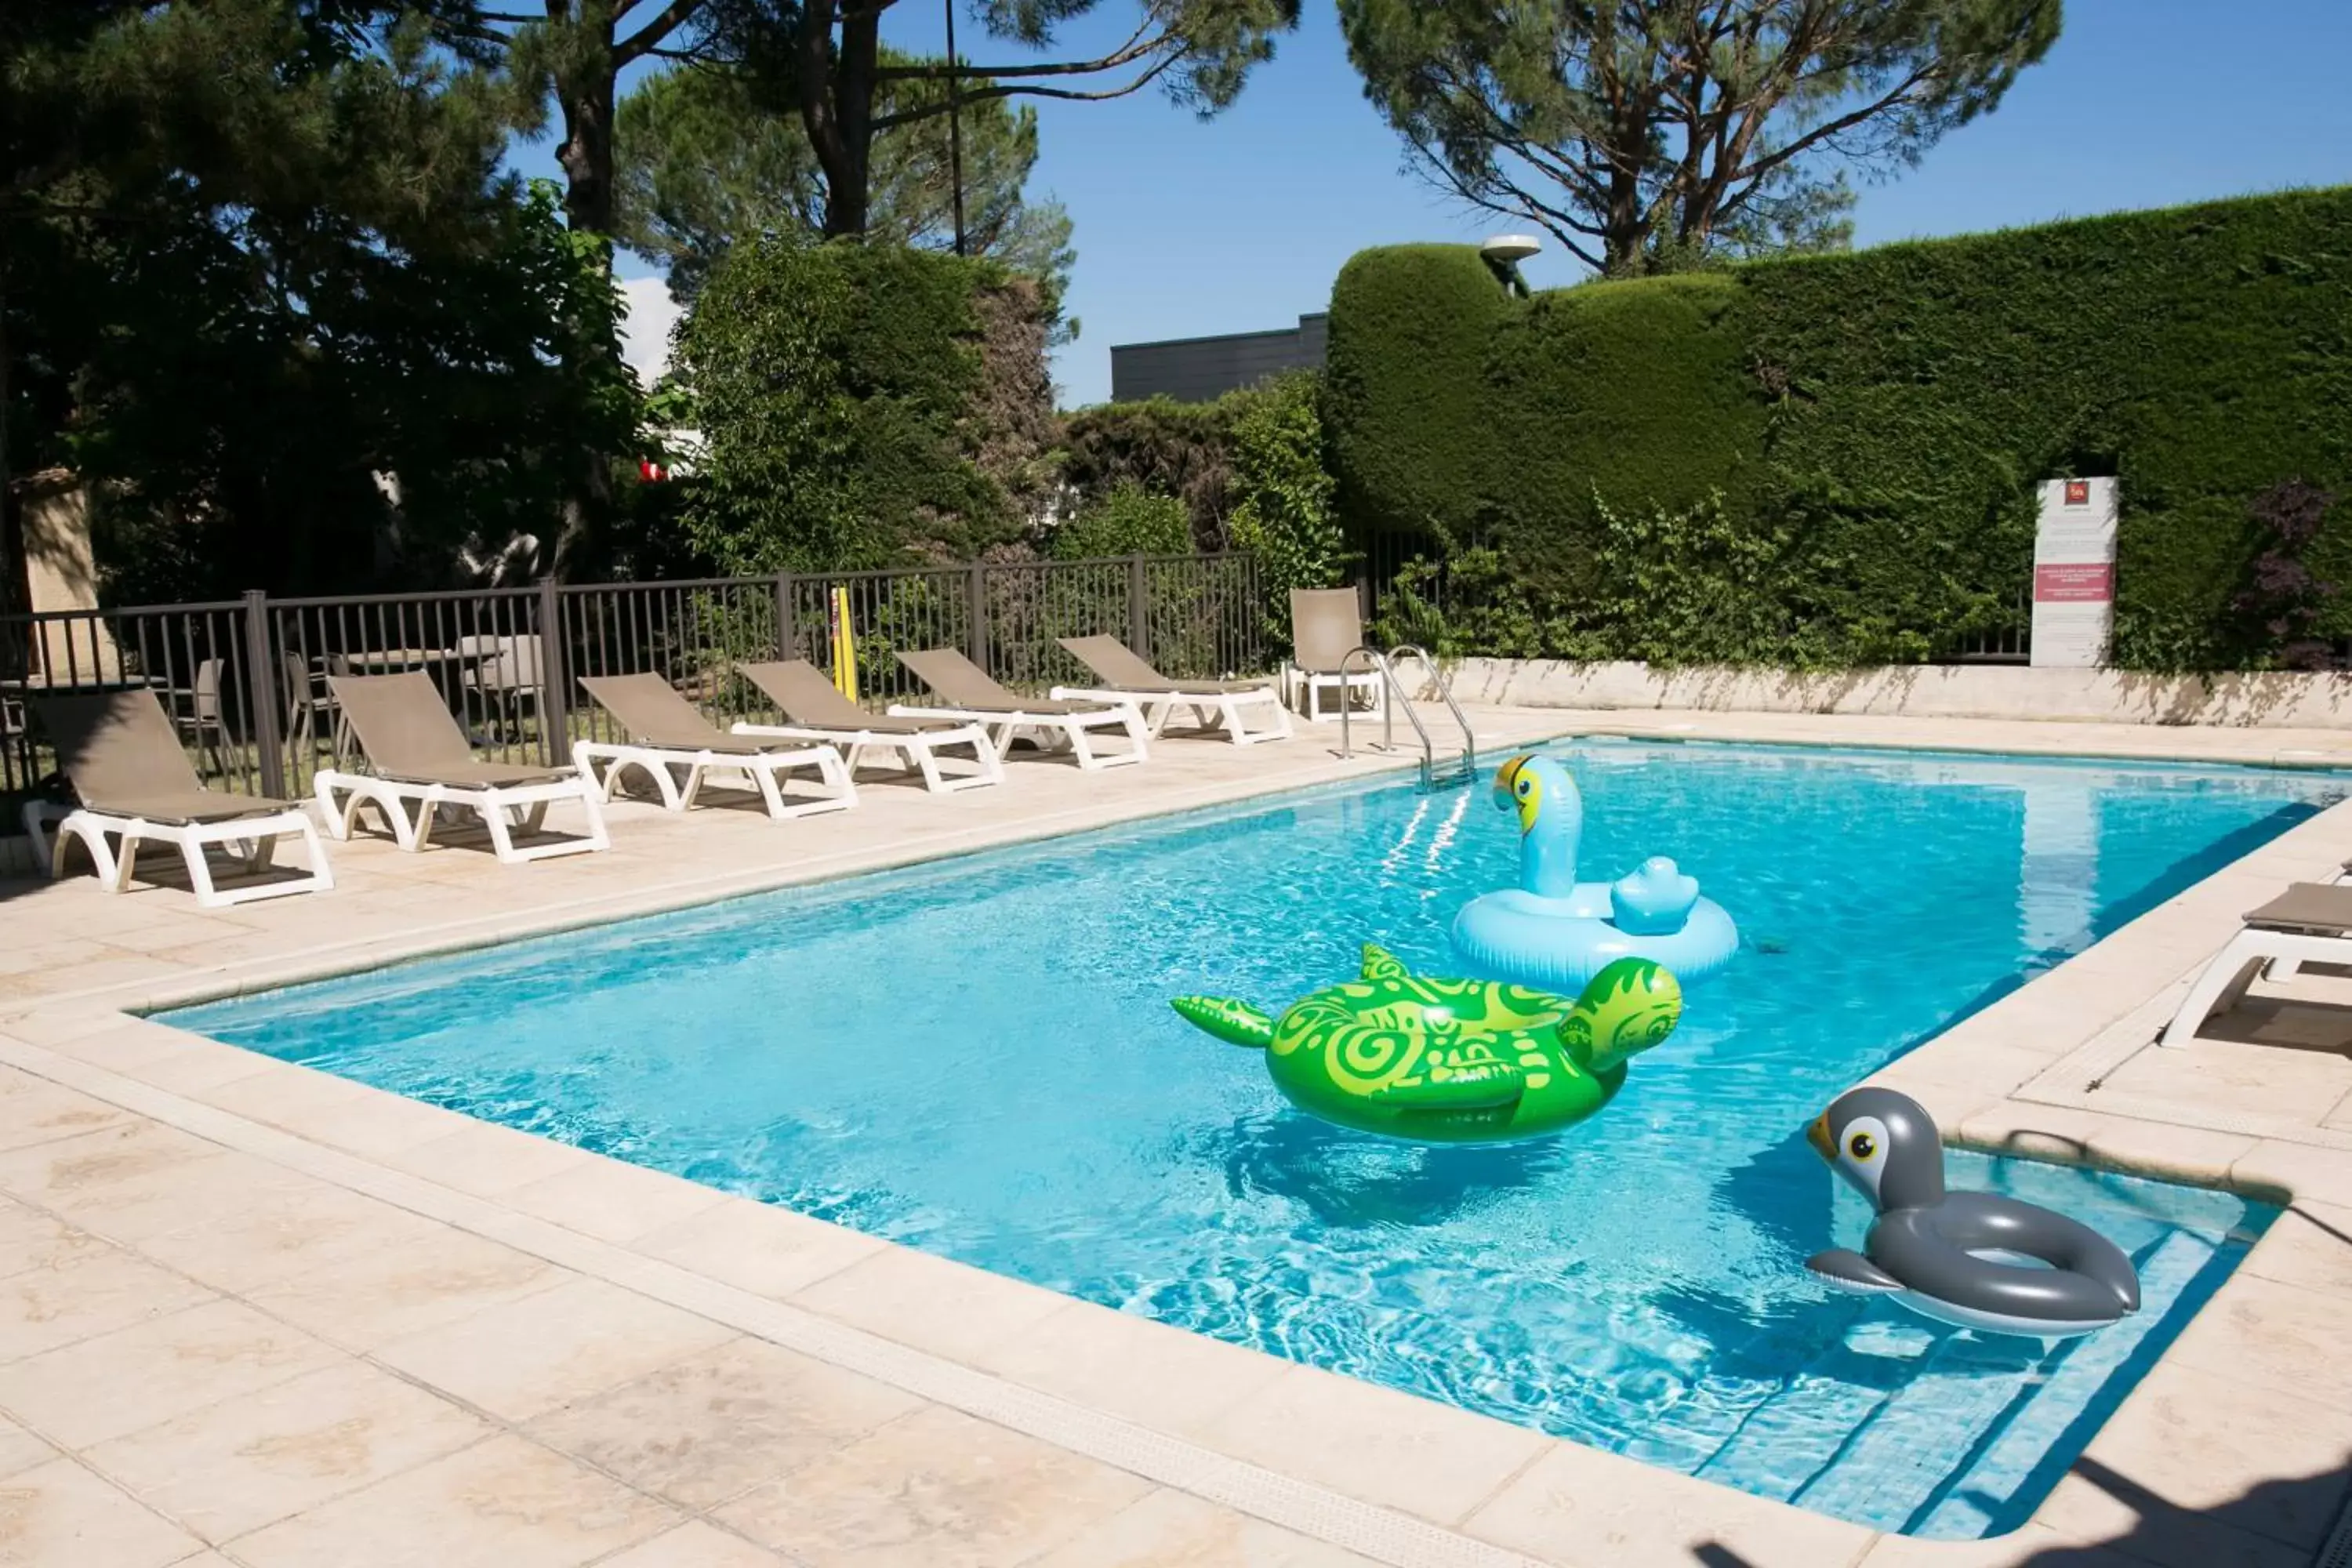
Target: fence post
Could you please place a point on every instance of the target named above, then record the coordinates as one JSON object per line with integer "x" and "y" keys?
{"x": 554, "y": 689}
{"x": 261, "y": 695}
{"x": 975, "y": 635}
{"x": 788, "y": 635}
{"x": 1139, "y": 608}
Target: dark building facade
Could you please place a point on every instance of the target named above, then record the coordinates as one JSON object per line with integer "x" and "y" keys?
{"x": 1196, "y": 370}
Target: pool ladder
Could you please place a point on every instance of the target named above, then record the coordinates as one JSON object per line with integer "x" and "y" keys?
{"x": 1435, "y": 773}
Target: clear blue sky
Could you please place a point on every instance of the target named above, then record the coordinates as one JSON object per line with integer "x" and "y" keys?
{"x": 1186, "y": 227}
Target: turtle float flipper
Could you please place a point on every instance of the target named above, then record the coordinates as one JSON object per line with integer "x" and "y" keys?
{"x": 1234, "y": 1022}
{"x": 1379, "y": 964}
{"x": 1482, "y": 1087}
{"x": 1844, "y": 1270}
{"x": 1629, "y": 1007}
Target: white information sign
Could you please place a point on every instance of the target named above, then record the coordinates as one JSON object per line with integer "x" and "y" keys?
{"x": 2075, "y": 572}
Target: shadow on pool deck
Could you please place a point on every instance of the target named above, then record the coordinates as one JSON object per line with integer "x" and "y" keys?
{"x": 2251, "y": 1528}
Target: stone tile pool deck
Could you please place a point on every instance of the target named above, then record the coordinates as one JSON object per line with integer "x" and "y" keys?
{"x": 255, "y": 1314}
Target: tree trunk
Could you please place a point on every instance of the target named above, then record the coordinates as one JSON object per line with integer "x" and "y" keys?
{"x": 586, "y": 92}
{"x": 837, "y": 105}
{"x": 586, "y": 154}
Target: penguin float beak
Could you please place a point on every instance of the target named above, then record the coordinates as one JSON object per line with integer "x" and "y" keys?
{"x": 1824, "y": 1142}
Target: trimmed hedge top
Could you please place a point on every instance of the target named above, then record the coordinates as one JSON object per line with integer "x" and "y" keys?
{"x": 1881, "y": 417}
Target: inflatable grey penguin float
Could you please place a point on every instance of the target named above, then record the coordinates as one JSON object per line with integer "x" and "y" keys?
{"x": 1947, "y": 1256}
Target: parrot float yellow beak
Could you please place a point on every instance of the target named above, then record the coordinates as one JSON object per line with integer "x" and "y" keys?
{"x": 1818, "y": 1136}
{"x": 1516, "y": 788}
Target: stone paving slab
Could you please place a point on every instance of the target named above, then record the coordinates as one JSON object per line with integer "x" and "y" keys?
{"x": 323, "y": 1324}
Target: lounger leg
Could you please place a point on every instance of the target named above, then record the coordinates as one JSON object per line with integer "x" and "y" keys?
{"x": 93, "y": 839}
{"x": 597, "y": 838}
{"x": 770, "y": 791}
{"x": 494, "y": 817}
{"x": 200, "y": 873}
{"x": 124, "y": 861}
{"x": 1075, "y": 733}
{"x": 2223, "y": 980}
{"x": 321, "y": 871}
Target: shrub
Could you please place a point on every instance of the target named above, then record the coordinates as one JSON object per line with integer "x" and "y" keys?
{"x": 1131, "y": 520}
{"x": 1160, "y": 445}
{"x": 1284, "y": 514}
{"x": 862, "y": 405}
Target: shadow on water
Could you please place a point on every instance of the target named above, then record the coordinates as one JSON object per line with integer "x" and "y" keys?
{"x": 1350, "y": 1179}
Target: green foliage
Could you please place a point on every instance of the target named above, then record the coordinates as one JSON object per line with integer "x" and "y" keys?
{"x": 1650, "y": 134}
{"x": 265, "y": 256}
{"x": 1874, "y": 426}
{"x": 1409, "y": 427}
{"x": 840, "y": 388}
{"x": 1180, "y": 449}
{"x": 1688, "y": 585}
{"x": 1284, "y": 514}
{"x": 705, "y": 158}
{"x": 1129, "y": 521}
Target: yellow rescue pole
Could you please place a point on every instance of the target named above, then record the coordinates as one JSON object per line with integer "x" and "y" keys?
{"x": 845, "y": 647}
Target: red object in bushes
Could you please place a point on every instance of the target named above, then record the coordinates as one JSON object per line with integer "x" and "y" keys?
{"x": 651, "y": 471}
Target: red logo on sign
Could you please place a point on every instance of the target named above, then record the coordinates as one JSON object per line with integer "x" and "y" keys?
{"x": 2089, "y": 583}
{"x": 2078, "y": 493}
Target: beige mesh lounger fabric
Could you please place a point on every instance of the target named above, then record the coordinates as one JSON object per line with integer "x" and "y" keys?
{"x": 967, "y": 693}
{"x": 1326, "y": 626}
{"x": 815, "y": 710}
{"x": 1125, "y": 677}
{"x": 2311, "y": 922}
{"x": 668, "y": 737}
{"x": 134, "y": 781}
{"x": 421, "y": 758}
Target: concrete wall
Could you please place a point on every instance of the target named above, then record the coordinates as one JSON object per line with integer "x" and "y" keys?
{"x": 1922, "y": 691}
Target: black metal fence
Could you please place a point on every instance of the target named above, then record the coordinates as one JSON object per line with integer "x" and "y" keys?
{"x": 247, "y": 680}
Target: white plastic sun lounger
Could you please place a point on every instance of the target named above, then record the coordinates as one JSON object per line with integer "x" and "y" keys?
{"x": 422, "y": 760}
{"x": 968, "y": 694}
{"x": 123, "y": 758}
{"x": 1216, "y": 705}
{"x": 2311, "y": 922}
{"x": 668, "y": 737}
{"x": 815, "y": 710}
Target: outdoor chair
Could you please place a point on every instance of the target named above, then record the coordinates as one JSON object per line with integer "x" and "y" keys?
{"x": 311, "y": 714}
{"x": 500, "y": 676}
{"x": 2311, "y": 922}
{"x": 197, "y": 713}
{"x": 1126, "y": 677}
{"x": 1326, "y": 626}
{"x": 815, "y": 709}
{"x": 967, "y": 693}
{"x": 122, "y": 756}
{"x": 672, "y": 744}
{"x": 420, "y": 759}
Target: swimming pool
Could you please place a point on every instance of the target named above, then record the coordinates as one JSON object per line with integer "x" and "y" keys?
{"x": 977, "y": 1057}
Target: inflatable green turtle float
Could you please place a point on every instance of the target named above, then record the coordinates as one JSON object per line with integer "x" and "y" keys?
{"x": 1452, "y": 1061}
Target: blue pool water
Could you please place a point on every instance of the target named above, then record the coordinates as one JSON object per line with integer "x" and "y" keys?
{"x": 977, "y": 1057}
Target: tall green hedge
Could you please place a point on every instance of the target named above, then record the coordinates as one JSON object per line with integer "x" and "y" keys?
{"x": 864, "y": 405}
{"x": 1874, "y": 424}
